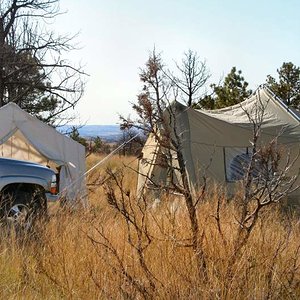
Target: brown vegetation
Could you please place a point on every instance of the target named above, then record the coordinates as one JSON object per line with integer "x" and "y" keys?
{"x": 120, "y": 248}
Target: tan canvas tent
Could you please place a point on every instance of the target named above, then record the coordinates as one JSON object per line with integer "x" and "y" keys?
{"x": 24, "y": 137}
{"x": 214, "y": 142}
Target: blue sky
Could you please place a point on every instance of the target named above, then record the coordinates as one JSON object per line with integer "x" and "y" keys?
{"x": 117, "y": 35}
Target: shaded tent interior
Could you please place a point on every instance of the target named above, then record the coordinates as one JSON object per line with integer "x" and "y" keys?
{"x": 24, "y": 137}
{"x": 215, "y": 141}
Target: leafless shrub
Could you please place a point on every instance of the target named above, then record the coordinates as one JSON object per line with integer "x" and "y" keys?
{"x": 134, "y": 215}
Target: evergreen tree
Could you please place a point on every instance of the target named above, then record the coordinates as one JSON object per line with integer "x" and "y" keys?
{"x": 233, "y": 90}
{"x": 98, "y": 144}
{"x": 288, "y": 85}
{"x": 74, "y": 134}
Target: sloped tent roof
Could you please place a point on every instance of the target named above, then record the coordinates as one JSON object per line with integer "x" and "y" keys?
{"x": 24, "y": 137}
{"x": 212, "y": 138}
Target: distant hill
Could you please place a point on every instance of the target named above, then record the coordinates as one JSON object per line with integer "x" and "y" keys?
{"x": 105, "y": 132}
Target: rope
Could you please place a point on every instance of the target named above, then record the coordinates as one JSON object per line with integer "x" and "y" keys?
{"x": 98, "y": 163}
{"x": 115, "y": 173}
{"x": 108, "y": 156}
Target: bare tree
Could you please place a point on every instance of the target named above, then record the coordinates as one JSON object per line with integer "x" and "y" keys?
{"x": 193, "y": 75}
{"x": 267, "y": 181}
{"x": 158, "y": 117}
{"x": 33, "y": 71}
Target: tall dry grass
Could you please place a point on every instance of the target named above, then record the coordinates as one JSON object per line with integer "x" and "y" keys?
{"x": 94, "y": 253}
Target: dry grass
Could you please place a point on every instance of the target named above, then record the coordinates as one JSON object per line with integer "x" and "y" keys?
{"x": 87, "y": 254}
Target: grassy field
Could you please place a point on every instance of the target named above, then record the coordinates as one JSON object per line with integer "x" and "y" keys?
{"x": 97, "y": 253}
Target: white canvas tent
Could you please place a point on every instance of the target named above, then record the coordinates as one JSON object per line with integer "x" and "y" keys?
{"x": 214, "y": 141}
{"x": 24, "y": 137}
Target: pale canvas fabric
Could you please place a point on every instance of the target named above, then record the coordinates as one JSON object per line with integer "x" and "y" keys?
{"x": 24, "y": 137}
{"x": 213, "y": 140}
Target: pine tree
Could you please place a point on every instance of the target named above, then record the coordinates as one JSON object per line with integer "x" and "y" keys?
{"x": 233, "y": 90}
{"x": 288, "y": 85}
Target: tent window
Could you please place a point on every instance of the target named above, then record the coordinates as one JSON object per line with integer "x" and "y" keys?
{"x": 237, "y": 162}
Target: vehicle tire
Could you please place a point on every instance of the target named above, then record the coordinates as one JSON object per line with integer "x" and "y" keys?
{"x": 21, "y": 209}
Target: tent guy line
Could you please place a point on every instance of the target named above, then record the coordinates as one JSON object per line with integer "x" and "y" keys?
{"x": 99, "y": 163}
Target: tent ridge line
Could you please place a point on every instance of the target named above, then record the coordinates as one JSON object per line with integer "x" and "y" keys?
{"x": 282, "y": 104}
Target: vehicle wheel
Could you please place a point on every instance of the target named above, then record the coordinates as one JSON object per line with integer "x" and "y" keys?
{"x": 21, "y": 209}
{"x": 19, "y": 216}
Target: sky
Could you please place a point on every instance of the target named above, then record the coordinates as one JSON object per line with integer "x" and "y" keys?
{"x": 116, "y": 37}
